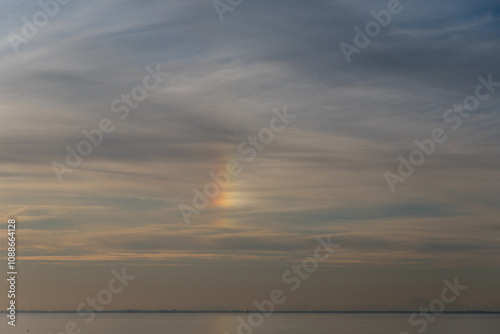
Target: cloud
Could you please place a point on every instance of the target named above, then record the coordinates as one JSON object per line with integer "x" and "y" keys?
{"x": 323, "y": 174}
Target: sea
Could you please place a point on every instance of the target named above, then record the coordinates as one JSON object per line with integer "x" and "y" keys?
{"x": 279, "y": 323}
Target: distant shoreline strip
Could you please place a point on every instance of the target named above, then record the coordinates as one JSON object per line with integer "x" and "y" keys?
{"x": 252, "y": 311}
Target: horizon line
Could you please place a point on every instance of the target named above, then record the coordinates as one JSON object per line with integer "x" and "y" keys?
{"x": 243, "y": 311}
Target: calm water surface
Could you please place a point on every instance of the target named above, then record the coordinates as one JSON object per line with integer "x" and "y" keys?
{"x": 276, "y": 324}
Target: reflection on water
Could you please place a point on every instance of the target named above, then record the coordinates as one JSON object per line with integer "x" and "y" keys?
{"x": 222, "y": 323}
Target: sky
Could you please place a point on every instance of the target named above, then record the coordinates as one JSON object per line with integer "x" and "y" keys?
{"x": 218, "y": 84}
